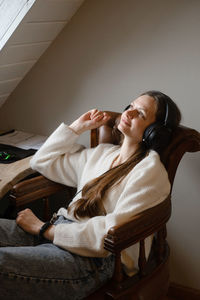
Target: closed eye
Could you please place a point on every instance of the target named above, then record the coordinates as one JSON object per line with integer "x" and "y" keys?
{"x": 141, "y": 114}
{"x": 127, "y": 107}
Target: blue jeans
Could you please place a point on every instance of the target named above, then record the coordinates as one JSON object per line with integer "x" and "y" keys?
{"x": 29, "y": 270}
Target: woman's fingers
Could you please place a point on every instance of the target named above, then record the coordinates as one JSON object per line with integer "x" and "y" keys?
{"x": 90, "y": 120}
{"x": 28, "y": 221}
{"x": 98, "y": 115}
{"x": 95, "y": 113}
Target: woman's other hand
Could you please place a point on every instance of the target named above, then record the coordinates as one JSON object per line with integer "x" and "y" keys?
{"x": 90, "y": 120}
{"x": 28, "y": 221}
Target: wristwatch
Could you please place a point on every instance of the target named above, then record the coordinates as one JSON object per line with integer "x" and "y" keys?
{"x": 46, "y": 226}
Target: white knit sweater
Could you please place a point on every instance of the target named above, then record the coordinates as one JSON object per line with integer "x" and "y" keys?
{"x": 62, "y": 160}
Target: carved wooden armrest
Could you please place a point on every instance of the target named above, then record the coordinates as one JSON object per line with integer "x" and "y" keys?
{"x": 140, "y": 227}
{"x": 35, "y": 188}
{"x": 148, "y": 222}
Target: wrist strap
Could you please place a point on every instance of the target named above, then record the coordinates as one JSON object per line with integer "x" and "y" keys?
{"x": 46, "y": 226}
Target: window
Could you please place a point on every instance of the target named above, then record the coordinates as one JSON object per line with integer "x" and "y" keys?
{"x": 11, "y": 14}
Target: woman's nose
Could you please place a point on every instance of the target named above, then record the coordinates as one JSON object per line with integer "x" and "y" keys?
{"x": 132, "y": 113}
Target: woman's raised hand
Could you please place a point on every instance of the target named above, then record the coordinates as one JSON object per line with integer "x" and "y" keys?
{"x": 90, "y": 120}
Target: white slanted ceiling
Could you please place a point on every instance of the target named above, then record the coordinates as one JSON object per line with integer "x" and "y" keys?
{"x": 31, "y": 38}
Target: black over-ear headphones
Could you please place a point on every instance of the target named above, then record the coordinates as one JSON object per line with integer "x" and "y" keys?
{"x": 157, "y": 135}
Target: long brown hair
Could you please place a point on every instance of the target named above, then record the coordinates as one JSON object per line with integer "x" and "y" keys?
{"x": 91, "y": 202}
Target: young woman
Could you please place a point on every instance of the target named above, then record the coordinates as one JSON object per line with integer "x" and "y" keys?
{"x": 114, "y": 184}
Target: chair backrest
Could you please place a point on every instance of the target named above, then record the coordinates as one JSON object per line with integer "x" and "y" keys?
{"x": 184, "y": 139}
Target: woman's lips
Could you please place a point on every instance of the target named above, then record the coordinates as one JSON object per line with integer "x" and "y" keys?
{"x": 125, "y": 121}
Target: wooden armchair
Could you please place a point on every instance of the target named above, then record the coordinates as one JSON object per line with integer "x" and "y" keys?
{"x": 152, "y": 280}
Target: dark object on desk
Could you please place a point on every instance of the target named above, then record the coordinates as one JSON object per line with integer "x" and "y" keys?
{"x": 7, "y": 132}
{"x": 10, "y": 154}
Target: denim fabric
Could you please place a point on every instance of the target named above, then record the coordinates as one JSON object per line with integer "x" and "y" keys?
{"x": 29, "y": 270}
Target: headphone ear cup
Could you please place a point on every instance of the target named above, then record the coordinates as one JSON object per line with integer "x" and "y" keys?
{"x": 157, "y": 136}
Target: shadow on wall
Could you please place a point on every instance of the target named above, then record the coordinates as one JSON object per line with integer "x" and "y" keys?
{"x": 183, "y": 227}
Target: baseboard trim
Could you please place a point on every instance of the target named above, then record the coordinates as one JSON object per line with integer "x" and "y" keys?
{"x": 180, "y": 292}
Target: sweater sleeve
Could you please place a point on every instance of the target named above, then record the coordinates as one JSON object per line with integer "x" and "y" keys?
{"x": 146, "y": 187}
{"x": 60, "y": 158}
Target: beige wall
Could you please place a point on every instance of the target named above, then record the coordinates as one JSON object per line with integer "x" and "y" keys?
{"x": 111, "y": 51}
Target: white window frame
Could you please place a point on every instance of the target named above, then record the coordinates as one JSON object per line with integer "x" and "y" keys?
{"x": 11, "y": 14}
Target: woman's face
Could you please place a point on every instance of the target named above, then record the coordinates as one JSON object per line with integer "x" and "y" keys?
{"x": 134, "y": 121}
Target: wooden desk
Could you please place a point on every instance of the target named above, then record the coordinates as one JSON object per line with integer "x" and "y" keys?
{"x": 12, "y": 173}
